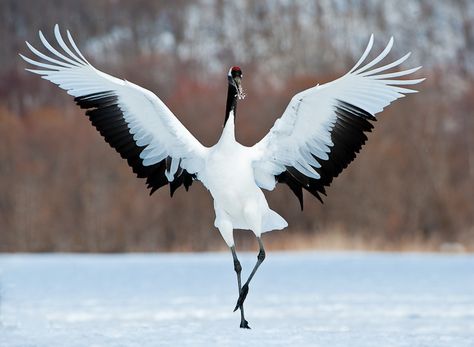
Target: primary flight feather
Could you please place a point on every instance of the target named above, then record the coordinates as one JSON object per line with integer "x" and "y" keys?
{"x": 318, "y": 135}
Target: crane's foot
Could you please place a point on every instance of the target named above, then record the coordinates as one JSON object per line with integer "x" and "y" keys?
{"x": 242, "y": 296}
{"x": 244, "y": 324}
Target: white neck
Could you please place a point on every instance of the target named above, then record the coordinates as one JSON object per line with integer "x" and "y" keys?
{"x": 228, "y": 133}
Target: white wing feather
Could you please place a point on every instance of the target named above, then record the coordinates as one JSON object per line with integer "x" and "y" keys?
{"x": 303, "y": 133}
{"x": 150, "y": 121}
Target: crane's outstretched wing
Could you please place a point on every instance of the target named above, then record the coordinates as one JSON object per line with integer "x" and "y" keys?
{"x": 132, "y": 119}
{"x": 322, "y": 128}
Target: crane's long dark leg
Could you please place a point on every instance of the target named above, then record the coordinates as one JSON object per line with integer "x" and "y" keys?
{"x": 245, "y": 288}
{"x": 238, "y": 269}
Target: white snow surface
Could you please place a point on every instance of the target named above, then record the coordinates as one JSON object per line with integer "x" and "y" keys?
{"x": 296, "y": 299}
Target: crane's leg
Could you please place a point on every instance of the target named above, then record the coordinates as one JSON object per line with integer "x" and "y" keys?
{"x": 245, "y": 288}
{"x": 238, "y": 269}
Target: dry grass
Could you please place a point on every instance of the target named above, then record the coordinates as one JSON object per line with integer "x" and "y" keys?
{"x": 336, "y": 239}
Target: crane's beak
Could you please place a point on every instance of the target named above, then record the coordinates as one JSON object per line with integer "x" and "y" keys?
{"x": 238, "y": 85}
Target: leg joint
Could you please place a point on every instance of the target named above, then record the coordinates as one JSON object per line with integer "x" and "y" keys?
{"x": 261, "y": 255}
{"x": 237, "y": 266}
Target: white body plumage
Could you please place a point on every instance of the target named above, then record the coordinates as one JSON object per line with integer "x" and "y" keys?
{"x": 239, "y": 203}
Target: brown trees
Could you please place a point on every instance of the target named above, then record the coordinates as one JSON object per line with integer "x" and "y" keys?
{"x": 63, "y": 188}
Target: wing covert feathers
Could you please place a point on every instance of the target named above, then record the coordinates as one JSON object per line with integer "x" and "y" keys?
{"x": 324, "y": 127}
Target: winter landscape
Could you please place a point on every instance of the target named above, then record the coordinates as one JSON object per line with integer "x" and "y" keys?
{"x": 297, "y": 299}
{"x": 89, "y": 258}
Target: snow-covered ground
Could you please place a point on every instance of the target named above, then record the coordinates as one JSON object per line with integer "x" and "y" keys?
{"x": 296, "y": 299}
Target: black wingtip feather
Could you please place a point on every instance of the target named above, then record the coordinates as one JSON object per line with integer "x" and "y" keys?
{"x": 293, "y": 184}
{"x": 107, "y": 117}
{"x": 348, "y": 137}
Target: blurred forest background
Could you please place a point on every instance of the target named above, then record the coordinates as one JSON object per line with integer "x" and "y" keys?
{"x": 62, "y": 188}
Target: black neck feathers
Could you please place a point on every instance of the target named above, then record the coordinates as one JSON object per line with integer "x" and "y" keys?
{"x": 231, "y": 104}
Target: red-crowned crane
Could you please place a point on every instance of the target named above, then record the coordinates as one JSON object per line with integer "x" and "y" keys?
{"x": 317, "y": 136}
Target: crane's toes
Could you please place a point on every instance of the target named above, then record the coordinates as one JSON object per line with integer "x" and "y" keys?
{"x": 243, "y": 294}
{"x": 244, "y": 324}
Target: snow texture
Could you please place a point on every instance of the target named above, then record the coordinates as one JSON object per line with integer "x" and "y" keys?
{"x": 296, "y": 299}
{"x": 329, "y": 33}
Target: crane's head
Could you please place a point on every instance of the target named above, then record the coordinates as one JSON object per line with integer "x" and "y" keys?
{"x": 235, "y": 79}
